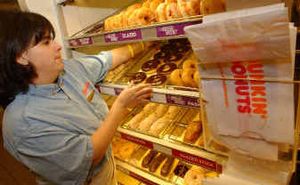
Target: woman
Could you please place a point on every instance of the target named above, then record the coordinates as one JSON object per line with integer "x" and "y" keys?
{"x": 55, "y": 121}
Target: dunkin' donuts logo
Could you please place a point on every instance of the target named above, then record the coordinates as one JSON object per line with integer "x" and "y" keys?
{"x": 251, "y": 93}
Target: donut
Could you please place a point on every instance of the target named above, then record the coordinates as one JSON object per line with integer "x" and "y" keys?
{"x": 172, "y": 11}
{"x": 175, "y": 77}
{"x": 160, "y": 12}
{"x": 157, "y": 79}
{"x": 150, "y": 65}
{"x": 187, "y": 77}
{"x": 173, "y": 57}
{"x": 188, "y": 8}
{"x": 154, "y": 4}
{"x": 144, "y": 16}
{"x": 132, "y": 18}
{"x": 189, "y": 63}
{"x": 137, "y": 77}
{"x": 166, "y": 68}
{"x": 146, "y": 3}
{"x": 196, "y": 77}
{"x": 212, "y": 6}
{"x": 193, "y": 177}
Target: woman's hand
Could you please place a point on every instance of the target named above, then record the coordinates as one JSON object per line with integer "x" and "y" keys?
{"x": 134, "y": 95}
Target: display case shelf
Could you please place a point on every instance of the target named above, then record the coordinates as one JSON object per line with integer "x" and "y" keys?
{"x": 187, "y": 153}
{"x": 94, "y": 34}
{"x": 160, "y": 95}
{"x": 139, "y": 174}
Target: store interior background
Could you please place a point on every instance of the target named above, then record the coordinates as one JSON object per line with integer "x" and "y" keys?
{"x": 11, "y": 171}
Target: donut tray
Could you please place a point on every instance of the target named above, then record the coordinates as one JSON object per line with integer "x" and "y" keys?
{"x": 156, "y": 65}
{"x": 138, "y": 109}
{"x": 178, "y": 130}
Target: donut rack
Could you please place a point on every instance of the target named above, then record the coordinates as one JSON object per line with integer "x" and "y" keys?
{"x": 211, "y": 156}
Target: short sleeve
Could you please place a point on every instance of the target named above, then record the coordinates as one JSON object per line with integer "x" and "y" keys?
{"x": 97, "y": 66}
{"x": 56, "y": 154}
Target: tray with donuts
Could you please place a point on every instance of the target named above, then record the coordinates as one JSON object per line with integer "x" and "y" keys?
{"x": 188, "y": 174}
{"x": 188, "y": 130}
{"x": 159, "y": 164}
{"x": 155, "y": 12}
{"x": 153, "y": 119}
{"x": 156, "y": 67}
{"x": 123, "y": 149}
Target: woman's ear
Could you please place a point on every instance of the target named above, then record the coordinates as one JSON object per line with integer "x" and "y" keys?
{"x": 23, "y": 59}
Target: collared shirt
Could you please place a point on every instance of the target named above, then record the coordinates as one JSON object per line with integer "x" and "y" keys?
{"x": 49, "y": 128}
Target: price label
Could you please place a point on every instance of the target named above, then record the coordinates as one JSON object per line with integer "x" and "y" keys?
{"x": 118, "y": 90}
{"x": 108, "y": 90}
{"x": 137, "y": 140}
{"x": 172, "y": 30}
{"x": 123, "y": 36}
{"x": 142, "y": 179}
{"x": 205, "y": 163}
{"x": 183, "y": 100}
{"x": 81, "y": 42}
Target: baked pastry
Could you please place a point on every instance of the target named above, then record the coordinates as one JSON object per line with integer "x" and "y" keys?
{"x": 212, "y": 6}
{"x": 157, "y": 79}
{"x": 181, "y": 169}
{"x": 149, "y": 108}
{"x": 159, "y": 125}
{"x": 187, "y": 77}
{"x": 196, "y": 77}
{"x": 160, "y": 12}
{"x": 150, "y": 65}
{"x": 135, "y": 121}
{"x": 176, "y": 77}
{"x": 147, "y": 122}
{"x": 166, "y": 68}
{"x": 156, "y": 162}
{"x": 161, "y": 110}
{"x": 166, "y": 168}
{"x": 172, "y": 11}
{"x": 193, "y": 131}
{"x": 154, "y": 4}
{"x": 148, "y": 158}
{"x": 144, "y": 16}
{"x": 137, "y": 77}
{"x": 188, "y": 7}
{"x": 189, "y": 64}
{"x": 172, "y": 112}
{"x": 194, "y": 176}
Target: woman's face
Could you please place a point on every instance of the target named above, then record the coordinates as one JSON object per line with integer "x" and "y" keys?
{"x": 46, "y": 58}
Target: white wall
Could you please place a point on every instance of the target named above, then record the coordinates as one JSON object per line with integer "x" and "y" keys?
{"x": 66, "y": 20}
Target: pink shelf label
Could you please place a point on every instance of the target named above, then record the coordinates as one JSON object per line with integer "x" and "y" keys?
{"x": 171, "y": 30}
{"x": 123, "y": 36}
{"x": 137, "y": 140}
{"x": 81, "y": 42}
{"x": 183, "y": 100}
{"x": 205, "y": 163}
{"x": 142, "y": 179}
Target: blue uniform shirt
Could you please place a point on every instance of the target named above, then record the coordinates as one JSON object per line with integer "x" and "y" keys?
{"x": 49, "y": 128}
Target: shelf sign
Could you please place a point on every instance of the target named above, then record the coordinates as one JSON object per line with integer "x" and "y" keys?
{"x": 137, "y": 140}
{"x": 172, "y": 30}
{"x": 81, "y": 42}
{"x": 123, "y": 36}
{"x": 142, "y": 179}
{"x": 183, "y": 100}
{"x": 205, "y": 163}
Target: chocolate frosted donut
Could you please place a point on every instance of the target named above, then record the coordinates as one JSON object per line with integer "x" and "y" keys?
{"x": 166, "y": 68}
{"x": 137, "y": 77}
{"x": 156, "y": 79}
{"x": 161, "y": 55}
{"x": 173, "y": 57}
{"x": 150, "y": 64}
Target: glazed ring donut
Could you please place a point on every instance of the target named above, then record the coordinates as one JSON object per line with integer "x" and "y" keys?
{"x": 156, "y": 79}
{"x": 174, "y": 57}
{"x": 154, "y": 4}
{"x": 193, "y": 177}
{"x": 189, "y": 64}
{"x": 196, "y": 77}
{"x": 150, "y": 65}
{"x": 187, "y": 77}
{"x": 161, "y": 12}
{"x": 144, "y": 16}
{"x": 166, "y": 68}
{"x": 172, "y": 11}
{"x": 175, "y": 77}
{"x": 137, "y": 77}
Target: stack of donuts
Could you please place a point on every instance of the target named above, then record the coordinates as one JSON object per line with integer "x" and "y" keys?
{"x": 165, "y": 60}
{"x": 150, "y": 11}
{"x": 188, "y": 75}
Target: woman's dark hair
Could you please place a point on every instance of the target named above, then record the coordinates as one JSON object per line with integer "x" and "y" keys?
{"x": 18, "y": 32}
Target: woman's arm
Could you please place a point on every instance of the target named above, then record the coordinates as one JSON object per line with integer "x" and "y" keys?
{"x": 104, "y": 134}
{"x": 123, "y": 54}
